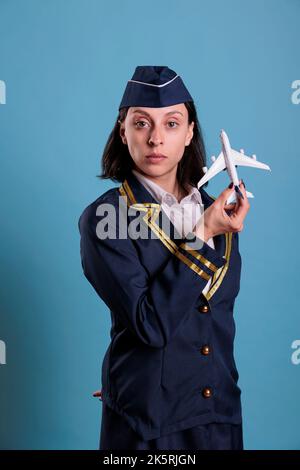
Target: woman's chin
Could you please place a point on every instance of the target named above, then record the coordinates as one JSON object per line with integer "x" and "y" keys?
{"x": 155, "y": 172}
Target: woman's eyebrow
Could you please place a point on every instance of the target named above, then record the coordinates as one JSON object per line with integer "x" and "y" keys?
{"x": 147, "y": 114}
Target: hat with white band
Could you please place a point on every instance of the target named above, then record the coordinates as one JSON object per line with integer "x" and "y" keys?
{"x": 154, "y": 86}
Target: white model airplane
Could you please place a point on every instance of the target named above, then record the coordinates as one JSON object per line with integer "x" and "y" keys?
{"x": 228, "y": 160}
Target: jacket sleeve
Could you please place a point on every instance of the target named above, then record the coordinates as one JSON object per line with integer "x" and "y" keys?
{"x": 152, "y": 308}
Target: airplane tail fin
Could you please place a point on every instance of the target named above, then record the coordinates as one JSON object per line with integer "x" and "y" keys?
{"x": 232, "y": 197}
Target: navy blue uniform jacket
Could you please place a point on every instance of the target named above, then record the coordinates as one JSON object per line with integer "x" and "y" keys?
{"x": 170, "y": 363}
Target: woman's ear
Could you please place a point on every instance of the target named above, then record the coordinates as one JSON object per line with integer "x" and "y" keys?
{"x": 122, "y": 133}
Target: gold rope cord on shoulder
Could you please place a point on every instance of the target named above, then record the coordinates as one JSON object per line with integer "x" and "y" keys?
{"x": 219, "y": 275}
{"x": 219, "y": 278}
{"x": 152, "y": 212}
{"x": 150, "y": 217}
{"x": 129, "y": 192}
{"x": 201, "y": 258}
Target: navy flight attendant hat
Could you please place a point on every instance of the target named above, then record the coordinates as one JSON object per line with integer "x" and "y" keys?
{"x": 154, "y": 86}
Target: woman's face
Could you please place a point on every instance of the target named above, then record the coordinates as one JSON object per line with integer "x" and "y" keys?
{"x": 160, "y": 131}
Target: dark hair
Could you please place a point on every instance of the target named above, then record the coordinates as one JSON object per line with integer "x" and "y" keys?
{"x": 117, "y": 161}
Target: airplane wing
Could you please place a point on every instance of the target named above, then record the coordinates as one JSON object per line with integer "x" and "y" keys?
{"x": 242, "y": 160}
{"x": 218, "y": 165}
{"x": 239, "y": 159}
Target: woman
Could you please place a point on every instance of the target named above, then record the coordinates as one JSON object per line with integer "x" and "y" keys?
{"x": 169, "y": 379}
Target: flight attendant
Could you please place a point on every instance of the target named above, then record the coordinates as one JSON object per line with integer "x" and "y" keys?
{"x": 164, "y": 257}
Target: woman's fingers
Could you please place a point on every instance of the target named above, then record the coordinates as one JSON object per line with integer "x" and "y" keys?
{"x": 223, "y": 198}
{"x": 230, "y": 206}
{"x": 241, "y": 208}
{"x": 233, "y": 213}
{"x": 238, "y": 202}
{"x": 225, "y": 195}
{"x": 243, "y": 203}
{"x": 98, "y": 394}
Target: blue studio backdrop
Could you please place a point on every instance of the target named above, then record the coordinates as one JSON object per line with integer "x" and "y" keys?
{"x": 63, "y": 68}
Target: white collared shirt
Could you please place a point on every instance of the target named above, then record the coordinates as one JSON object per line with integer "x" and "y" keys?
{"x": 184, "y": 214}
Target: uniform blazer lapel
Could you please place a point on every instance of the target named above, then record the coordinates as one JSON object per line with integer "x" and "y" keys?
{"x": 139, "y": 198}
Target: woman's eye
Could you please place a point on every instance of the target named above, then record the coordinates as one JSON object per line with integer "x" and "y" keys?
{"x": 173, "y": 122}
{"x": 138, "y": 122}
{"x": 144, "y": 122}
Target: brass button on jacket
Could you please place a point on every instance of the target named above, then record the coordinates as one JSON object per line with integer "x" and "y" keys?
{"x": 204, "y": 309}
{"x": 205, "y": 350}
{"x": 207, "y": 392}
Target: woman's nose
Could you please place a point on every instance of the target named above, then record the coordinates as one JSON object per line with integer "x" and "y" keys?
{"x": 155, "y": 138}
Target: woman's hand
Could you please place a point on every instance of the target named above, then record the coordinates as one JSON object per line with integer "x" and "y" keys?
{"x": 220, "y": 217}
{"x": 98, "y": 394}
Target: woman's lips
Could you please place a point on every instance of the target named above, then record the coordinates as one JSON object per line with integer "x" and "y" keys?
{"x": 155, "y": 158}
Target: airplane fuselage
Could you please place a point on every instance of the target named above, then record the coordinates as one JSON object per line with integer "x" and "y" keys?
{"x": 231, "y": 169}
